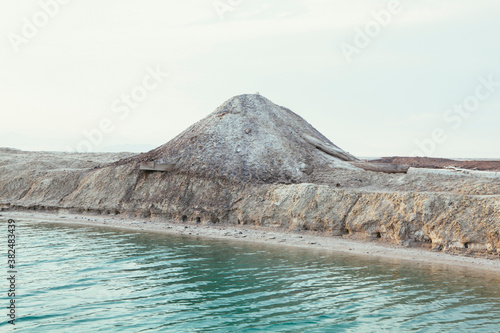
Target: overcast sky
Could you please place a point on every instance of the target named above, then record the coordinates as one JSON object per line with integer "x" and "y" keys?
{"x": 378, "y": 78}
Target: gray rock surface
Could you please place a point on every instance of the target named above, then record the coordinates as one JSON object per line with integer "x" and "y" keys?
{"x": 247, "y": 139}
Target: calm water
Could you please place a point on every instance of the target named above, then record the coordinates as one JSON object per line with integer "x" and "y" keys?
{"x": 82, "y": 279}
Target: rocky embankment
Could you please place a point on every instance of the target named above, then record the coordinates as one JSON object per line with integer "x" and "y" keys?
{"x": 273, "y": 180}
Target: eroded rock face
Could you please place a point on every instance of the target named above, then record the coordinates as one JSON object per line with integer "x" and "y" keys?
{"x": 448, "y": 220}
{"x": 248, "y": 163}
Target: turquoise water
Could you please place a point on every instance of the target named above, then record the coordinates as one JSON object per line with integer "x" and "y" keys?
{"x": 87, "y": 279}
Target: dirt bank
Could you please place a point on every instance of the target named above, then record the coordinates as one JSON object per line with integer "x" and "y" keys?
{"x": 254, "y": 163}
{"x": 446, "y": 212}
{"x": 441, "y": 163}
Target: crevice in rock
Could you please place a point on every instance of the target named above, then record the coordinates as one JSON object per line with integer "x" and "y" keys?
{"x": 25, "y": 193}
{"x": 343, "y": 225}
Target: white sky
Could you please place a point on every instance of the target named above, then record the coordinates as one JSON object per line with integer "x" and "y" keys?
{"x": 395, "y": 91}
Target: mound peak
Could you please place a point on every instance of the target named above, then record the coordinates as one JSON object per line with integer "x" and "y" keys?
{"x": 249, "y": 138}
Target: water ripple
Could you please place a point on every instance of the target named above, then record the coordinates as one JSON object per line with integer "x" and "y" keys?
{"x": 92, "y": 279}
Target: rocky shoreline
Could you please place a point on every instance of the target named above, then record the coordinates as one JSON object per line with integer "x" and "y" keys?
{"x": 307, "y": 240}
{"x": 453, "y": 218}
{"x": 253, "y": 163}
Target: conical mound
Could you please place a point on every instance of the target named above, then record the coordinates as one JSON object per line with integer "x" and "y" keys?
{"x": 250, "y": 139}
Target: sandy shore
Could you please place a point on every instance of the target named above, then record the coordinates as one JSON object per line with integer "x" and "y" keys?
{"x": 267, "y": 236}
